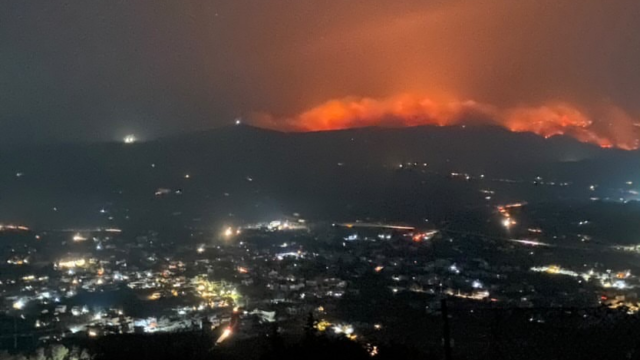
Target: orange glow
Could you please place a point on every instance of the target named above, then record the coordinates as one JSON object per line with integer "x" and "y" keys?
{"x": 546, "y": 120}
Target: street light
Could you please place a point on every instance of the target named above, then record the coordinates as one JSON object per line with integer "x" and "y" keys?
{"x": 18, "y": 305}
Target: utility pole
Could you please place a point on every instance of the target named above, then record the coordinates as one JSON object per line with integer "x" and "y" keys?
{"x": 446, "y": 336}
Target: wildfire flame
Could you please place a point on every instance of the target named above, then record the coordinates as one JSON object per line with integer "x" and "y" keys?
{"x": 615, "y": 128}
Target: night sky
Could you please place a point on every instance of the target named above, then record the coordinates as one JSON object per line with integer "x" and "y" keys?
{"x": 97, "y": 70}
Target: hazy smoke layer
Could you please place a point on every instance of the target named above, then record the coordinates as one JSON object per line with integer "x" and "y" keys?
{"x": 409, "y": 110}
{"x": 96, "y": 69}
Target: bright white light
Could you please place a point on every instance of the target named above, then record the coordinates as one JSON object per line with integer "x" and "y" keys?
{"x": 620, "y": 284}
{"x": 79, "y": 237}
{"x": 274, "y": 225}
{"x": 18, "y": 305}
{"x": 343, "y": 329}
{"x": 228, "y": 232}
{"x": 530, "y": 242}
{"x": 476, "y": 284}
{"x": 238, "y": 121}
{"x": 508, "y": 222}
{"x": 224, "y": 335}
{"x": 130, "y": 139}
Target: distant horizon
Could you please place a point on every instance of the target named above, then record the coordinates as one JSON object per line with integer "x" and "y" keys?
{"x": 149, "y": 139}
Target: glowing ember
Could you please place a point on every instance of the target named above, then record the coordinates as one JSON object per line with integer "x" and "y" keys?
{"x": 413, "y": 110}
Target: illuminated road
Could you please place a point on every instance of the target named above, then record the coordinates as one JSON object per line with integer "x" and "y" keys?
{"x": 371, "y": 225}
{"x": 225, "y": 334}
{"x": 233, "y": 325}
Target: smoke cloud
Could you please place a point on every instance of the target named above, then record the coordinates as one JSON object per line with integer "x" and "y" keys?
{"x": 98, "y": 69}
{"x": 410, "y": 110}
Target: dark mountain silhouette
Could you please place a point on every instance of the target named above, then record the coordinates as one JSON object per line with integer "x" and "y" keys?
{"x": 241, "y": 171}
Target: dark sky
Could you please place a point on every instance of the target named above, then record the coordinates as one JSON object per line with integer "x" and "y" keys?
{"x": 96, "y": 70}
